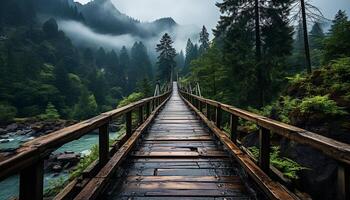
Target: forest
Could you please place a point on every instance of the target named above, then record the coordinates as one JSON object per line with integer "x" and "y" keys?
{"x": 269, "y": 58}
{"x": 278, "y": 84}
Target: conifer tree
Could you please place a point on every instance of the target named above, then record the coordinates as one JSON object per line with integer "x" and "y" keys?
{"x": 124, "y": 60}
{"x": 203, "y": 40}
{"x": 191, "y": 54}
{"x": 337, "y": 45}
{"x": 166, "y": 62}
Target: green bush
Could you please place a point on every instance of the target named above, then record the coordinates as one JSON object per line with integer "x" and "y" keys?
{"x": 7, "y": 113}
{"x": 51, "y": 113}
{"x": 288, "y": 167}
{"x": 136, "y": 96}
{"x": 55, "y": 186}
{"x": 84, "y": 163}
{"x": 320, "y": 104}
{"x": 298, "y": 78}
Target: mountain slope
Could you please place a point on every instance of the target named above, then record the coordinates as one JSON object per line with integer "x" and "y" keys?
{"x": 103, "y": 17}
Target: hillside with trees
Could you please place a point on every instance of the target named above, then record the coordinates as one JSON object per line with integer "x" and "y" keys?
{"x": 270, "y": 76}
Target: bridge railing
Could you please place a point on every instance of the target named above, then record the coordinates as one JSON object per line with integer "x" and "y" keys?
{"x": 334, "y": 149}
{"x": 28, "y": 160}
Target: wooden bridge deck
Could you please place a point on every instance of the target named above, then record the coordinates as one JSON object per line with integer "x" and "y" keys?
{"x": 178, "y": 158}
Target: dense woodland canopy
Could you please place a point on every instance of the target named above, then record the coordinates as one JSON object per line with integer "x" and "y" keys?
{"x": 43, "y": 70}
{"x": 41, "y": 67}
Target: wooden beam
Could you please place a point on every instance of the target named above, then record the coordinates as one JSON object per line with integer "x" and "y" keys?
{"x": 31, "y": 184}
{"x": 343, "y": 182}
{"x": 264, "y": 147}
{"x": 103, "y": 140}
{"x": 128, "y": 123}
{"x": 141, "y": 115}
{"x": 218, "y": 117}
{"x": 234, "y": 128}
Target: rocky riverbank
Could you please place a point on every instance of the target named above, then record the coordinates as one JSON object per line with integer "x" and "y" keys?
{"x": 15, "y": 134}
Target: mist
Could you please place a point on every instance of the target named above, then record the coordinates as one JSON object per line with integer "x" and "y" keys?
{"x": 83, "y": 36}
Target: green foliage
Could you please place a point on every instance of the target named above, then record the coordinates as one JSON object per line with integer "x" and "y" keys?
{"x": 136, "y": 96}
{"x": 145, "y": 87}
{"x": 51, "y": 113}
{"x": 320, "y": 104}
{"x": 86, "y": 107}
{"x": 85, "y": 162}
{"x": 297, "y": 78}
{"x": 7, "y": 113}
{"x": 50, "y": 28}
{"x": 288, "y": 167}
{"x": 55, "y": 186}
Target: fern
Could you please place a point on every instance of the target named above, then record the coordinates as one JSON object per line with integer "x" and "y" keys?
{"x": 287, "y": 166}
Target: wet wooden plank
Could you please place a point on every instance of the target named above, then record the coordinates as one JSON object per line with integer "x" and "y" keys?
{"x": 169, "y": 185}
{"x": 186, "y": 193}
{"x": 179, "y": 138}
{"x": 215, "y": 179}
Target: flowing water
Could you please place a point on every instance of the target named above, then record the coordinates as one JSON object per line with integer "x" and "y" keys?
{"x": 9, "y": 187}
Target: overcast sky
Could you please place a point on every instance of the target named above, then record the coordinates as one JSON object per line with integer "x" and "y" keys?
{"x": 199, "y": 12}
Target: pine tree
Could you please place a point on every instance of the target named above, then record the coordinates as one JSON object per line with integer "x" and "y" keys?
{"x": 337, "y": 45}
{"x": 100, "y": 58}
{"x": 50, "y": 28}
{"x": 203, "y": 40}
{"x": 238, "y": 31}
{"x": 86, "y": 107}
{"x": 51, "y": 113}
{"x": 166, "y": 57}
{"x": 180, "y": 60}
{"x": 190, "y": 55}
{"x": 124, "y": 61}
{"x": 316, "y": 36}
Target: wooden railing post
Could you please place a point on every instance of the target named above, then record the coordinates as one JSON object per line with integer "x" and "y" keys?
{"x": 141, "y": 115}
{"x": 148, "y": 107}
{"x": 343, "y": 182}
{"x": 153, "y": 105}
{"x": 264, "y": 153}
{"x": 31, "y": 184}
{"x": 208, "y": 111}
{"x": 218, "y": 116}
{"x": 234, "y": 126}
{"x": 200, "y": 106}
{"x": 103, "y": 140}
{"x": 128, "y": 123}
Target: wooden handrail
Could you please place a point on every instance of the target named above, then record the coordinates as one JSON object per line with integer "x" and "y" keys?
{"x": 334, "y": 149}
{"x": 28, "y": 159}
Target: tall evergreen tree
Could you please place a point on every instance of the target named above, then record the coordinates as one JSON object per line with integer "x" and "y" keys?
{"x": 124, "y": 60}
{"x": 180, "y": 60}
{"x": 101, "y": 58}
{"x": 337, "y": 45}
{"x": 140, "y": 66}
{"x": 191, "y": 54}
{"x": 237, "y": 31}
{"x": 166, "y": 62}
{"x": 316, "y": 36}
{"x": 203, "y": 40}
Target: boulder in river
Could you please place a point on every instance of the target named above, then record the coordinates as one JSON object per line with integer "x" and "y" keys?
{"x": 11, "y": 128}
{"x": 57, "y": 168}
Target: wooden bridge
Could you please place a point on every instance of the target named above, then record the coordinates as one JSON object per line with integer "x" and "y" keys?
{"x": 175, "y": 149}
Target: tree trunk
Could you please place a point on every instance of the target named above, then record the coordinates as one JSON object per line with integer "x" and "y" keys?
{"x": 306, "y": 37}
{"x": 258, "y": 55}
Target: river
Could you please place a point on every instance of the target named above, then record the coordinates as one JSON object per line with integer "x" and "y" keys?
{"x": 9, "y": 187}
